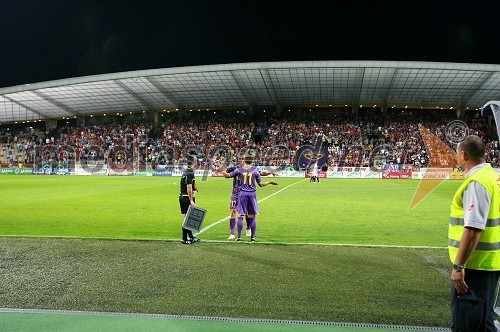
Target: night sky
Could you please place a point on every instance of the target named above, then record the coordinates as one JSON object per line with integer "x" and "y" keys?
{"x": 54, "y": 39}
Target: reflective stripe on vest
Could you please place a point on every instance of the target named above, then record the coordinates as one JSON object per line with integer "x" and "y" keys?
{"x": 460, "y": 222}
{"x": 486, "y": 256}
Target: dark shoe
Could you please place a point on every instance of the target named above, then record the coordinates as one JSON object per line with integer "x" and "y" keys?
{"x": 195, "y": 239}
{"x": 186, "y": 242}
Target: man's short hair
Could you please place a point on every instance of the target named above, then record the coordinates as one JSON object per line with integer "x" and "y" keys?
{"x": 190, "y": 161}
{"x": 248, "y": 160}
{"x": 474, "y": 146}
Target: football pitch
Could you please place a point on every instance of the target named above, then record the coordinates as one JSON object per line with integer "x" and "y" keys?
{"x": 343, "y": 250}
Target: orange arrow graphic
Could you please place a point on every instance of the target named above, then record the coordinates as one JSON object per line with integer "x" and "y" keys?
{"x": 442, "y": 162}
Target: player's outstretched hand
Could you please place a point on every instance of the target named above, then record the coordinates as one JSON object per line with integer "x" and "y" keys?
{"x": 273, "y": 182}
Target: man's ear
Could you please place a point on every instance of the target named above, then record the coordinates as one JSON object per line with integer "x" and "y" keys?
{"x": 465, "y": 156}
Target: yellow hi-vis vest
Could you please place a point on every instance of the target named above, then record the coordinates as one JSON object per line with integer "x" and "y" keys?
{"x": 486, "y": 256}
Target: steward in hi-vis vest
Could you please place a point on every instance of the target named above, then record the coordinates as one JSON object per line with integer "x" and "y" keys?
{"x": 474, "y": 241}
{"x": 487, "y": 253}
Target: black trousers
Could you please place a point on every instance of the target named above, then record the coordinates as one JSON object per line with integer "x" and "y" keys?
{"x": 187, "y": 233}
{"x": 184, "y": 205}
{"x": 474, "y": 310}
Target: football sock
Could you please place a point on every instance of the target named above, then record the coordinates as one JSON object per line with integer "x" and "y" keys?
{"x": 240, "y": 225}
{"x": 232, "y": 223}
{"x": 253, "y": 226}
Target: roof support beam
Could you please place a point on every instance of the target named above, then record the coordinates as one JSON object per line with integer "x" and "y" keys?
{"x": 240, "y": 86}
{"x": 145, "y": 104}
{"x": 264, "y": 73}
{"x": 55, "y": 102}
{"x": 389, "y": 87}
{"x": 26, "y": 107}
{"x": 167, "y": 94}
{"x": 359, "y": 87}
{"x": 466, "y": 96}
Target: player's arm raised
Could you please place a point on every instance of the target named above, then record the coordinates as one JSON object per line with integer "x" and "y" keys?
{"x": 263, "y": 184}
{"x": 222, "y": 170}
{"x": 225, "y": 173}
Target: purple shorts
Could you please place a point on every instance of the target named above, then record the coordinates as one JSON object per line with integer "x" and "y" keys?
{"x": 247, "y": 203}
{"x": 233, "y": 202}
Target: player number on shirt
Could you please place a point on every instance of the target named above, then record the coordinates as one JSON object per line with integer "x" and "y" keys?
{"x": 247, "y": 178}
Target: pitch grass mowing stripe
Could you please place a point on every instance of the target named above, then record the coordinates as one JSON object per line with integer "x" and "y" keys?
{"x": 262, "y": 200}
{"x": 136, "y": 322}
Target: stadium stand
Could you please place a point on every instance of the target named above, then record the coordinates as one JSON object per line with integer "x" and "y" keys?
{"x": 352, "y": 141}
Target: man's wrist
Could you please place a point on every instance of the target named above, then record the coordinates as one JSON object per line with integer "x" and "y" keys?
{"x": 458, "y": 267}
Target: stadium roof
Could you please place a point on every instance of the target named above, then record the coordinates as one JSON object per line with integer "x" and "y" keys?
{"x": 290, "y": 84}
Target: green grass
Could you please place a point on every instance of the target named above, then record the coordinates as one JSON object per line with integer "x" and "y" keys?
{"x": 318, "y": 283}
{"x": 286, "y": 275}
{"x": 334, "y": 211}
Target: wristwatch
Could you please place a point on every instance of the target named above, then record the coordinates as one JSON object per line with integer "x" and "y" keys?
{"x": 458, "y": 267}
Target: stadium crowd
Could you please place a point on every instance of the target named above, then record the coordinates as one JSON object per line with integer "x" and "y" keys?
{"x": 351, "y": 141}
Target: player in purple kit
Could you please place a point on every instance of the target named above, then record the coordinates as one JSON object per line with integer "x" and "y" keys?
{"x": 234, "y": 202}
{"x": 248, "y": 177}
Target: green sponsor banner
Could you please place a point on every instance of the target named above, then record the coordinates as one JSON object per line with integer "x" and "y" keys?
{"x": 16, "y": 170}
{"x": 143, "y": 172}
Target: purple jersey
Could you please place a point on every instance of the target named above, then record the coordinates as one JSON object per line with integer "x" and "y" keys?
{"x": 248, "y": 177}
{"x": 236, "y": 184}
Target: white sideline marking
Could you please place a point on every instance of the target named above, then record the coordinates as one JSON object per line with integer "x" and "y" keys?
{"x": 321, "y": 244}
{"x": 435, "y": 265}
{"x": 262, "y": 200}
{"x": 360, "y": 245}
